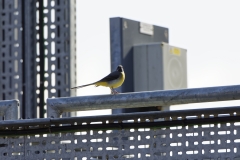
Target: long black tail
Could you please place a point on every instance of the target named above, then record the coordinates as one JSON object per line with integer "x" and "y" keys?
{"x": 83, "y": 86}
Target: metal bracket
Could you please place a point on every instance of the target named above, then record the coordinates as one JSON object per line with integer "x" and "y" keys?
{"x": 9, "y": 109}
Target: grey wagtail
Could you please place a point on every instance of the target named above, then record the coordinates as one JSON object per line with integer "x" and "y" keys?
{"x": 113, "y": 80}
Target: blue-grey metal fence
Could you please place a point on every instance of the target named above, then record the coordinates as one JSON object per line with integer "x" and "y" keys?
{"x": 211, "y": 133}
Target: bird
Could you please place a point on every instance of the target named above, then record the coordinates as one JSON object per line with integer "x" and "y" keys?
{"x": 113, "y": 80}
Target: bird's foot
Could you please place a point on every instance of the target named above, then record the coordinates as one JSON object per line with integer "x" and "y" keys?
{"x": 114, "y": 92}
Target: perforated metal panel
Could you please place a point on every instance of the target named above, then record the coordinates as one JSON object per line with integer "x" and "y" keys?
{"x": 55, "y": 58}
{"x": 37, "y": 52}
{"x": 193, "y": 134}
{"x": 10, "y": 50}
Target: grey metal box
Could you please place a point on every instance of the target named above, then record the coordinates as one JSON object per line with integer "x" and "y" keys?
{"x": 124, "y": 34}
{"x": 159, "y": 66}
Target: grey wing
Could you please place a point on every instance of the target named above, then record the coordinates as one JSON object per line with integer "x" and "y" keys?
{"x": 112, "y": 76}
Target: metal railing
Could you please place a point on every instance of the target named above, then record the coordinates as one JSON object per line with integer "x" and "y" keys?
{"x": 57, "y": 106}
{"x": 211, "y": 133}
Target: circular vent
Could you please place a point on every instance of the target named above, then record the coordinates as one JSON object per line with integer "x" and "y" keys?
{"x": 174, "y": 73}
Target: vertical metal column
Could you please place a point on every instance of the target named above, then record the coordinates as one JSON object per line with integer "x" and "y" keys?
{"x": 42, "y": 53}
{"x": 73, "y": 57}
{"x": 29, "y": 58}
{"x": 10, "y": 50}
{"x": 56, "y": 50}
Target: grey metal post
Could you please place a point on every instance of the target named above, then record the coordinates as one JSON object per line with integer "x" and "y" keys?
{"x": 72, "y": 31}
{"x": 9, "y": 109}
{"x": 57, "y": 106}
{"x": 29, "y": 102}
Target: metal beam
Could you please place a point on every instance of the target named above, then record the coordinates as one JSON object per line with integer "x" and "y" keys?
{"x": 57, "y": 106}
{"x": 29, "y": 102}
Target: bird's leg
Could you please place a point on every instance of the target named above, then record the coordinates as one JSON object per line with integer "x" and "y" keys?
{"x": 113, "y": 91}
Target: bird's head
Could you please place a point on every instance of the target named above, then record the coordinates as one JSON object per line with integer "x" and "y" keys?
{"x": 120, "y": 68}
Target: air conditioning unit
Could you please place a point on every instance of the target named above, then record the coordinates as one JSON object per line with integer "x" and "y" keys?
{"x": 159, "y": 66}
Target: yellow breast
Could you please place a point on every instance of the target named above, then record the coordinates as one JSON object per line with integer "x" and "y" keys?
{"x": 115, "y": 83}
{"x": 118, "y": 82}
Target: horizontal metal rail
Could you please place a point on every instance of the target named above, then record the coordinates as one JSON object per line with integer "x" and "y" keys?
{"x": 197, "y": 113}
{"x": 56, "y": 106}
{"x": 9, "y": 109}
{"x": 121, "y": 121}
{"x": 117, "y": 126}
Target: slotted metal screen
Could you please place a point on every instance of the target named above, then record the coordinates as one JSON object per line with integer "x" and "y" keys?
{"x": 37, "y": 52}
{"x": 10, "y": 50}
{"x": 54, "y": 50}
{"x": 193, "y": 134}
